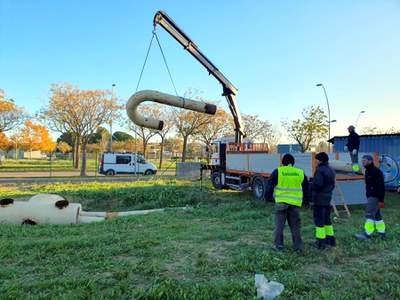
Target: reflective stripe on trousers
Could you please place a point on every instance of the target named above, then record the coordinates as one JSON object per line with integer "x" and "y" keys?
{"x": 369, "y": 226}
{"x": 328, "y": 230}
{"x": 320, "y": 233}
{"x": 380, "y": 226}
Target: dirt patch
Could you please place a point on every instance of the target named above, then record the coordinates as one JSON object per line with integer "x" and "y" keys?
{"x": 217, "y": 250}
{"x": 319, "y": 269}
{"x": 375, "y": 257}
{"x": 176, "y": 269}
{"x": 257, "y": 239}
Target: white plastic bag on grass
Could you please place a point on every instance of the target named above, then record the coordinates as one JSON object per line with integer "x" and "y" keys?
{"x": 267, "y": 289}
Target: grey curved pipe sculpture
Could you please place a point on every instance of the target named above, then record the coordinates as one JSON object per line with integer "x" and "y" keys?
{"x": 154, "y": 96}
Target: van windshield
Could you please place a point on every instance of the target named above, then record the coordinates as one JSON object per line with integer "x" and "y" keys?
{"x": 141, "y": 160}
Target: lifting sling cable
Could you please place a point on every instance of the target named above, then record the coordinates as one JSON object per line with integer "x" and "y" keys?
{"x": 165, "y": 61}
{"x": 144, "y": 64}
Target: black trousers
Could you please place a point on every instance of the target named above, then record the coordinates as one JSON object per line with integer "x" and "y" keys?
{"x": 322, "y": 215}
{"x": 290, "y": 213}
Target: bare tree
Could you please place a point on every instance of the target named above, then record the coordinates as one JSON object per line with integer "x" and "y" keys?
{"x": 172, "y": 144}
{"x": 310, "y": 128}
{"x": 322, "y": 146}
{"x": 375, "y": 130}
{"x": 253, "y": 127}
{"x": 167, "y": 117}
{"x": 220, "y": 124}
{"x": 392, "y": 130}
{"x": 189, "y": 123}
{"x": 265, "y": 132}
{"x": 272, "y": 136}
{"x": 145, "y": 133}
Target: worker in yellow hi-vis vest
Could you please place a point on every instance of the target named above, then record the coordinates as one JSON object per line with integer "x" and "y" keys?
{"x": 289, "y": 186}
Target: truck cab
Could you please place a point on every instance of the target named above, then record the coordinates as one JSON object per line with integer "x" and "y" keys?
{"x": 113, "y": 163}
{"x": 218, "y": 150}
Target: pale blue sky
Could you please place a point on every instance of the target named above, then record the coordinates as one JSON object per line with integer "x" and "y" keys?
{"x": 274, "y": 52}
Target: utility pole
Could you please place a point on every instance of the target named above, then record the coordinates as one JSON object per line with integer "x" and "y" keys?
{"x": 329, "y": 117}
{"x": 111, "y": 134}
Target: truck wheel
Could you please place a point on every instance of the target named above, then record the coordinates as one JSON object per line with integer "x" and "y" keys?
{"x": 148, "y": 172}
{"x": 216, "y": 180}
{"x": 110, "y": 173}
{"x": 258, "y": 187}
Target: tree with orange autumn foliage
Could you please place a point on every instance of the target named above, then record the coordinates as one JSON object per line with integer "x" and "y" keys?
{"x": 4, "y": 141}
{"x": 79, "y": 112}
{"x": 63, "y": 147}
{"x": 33, "y": 137}
{"x": 11, "y": 116}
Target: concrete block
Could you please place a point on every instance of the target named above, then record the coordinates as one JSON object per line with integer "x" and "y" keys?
{"x": 188, "y": 171}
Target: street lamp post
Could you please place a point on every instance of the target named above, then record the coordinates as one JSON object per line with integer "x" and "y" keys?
{"x": 329, "y": 115}
{"x": 136, "y": 155}
{"x": 332, "y": 121}
{"x": 112, "y": 96}
{"x": 361, "y": 112}
{"x": 16, "y": 147}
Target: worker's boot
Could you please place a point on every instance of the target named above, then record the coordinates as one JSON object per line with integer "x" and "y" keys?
{"x": 380, "y": 228}
{"x": 356, "y": 168}
{"x": 320, "y": 243}
{"x": 329, "y": 236}
{"x": 278, "y": 248}
{"x": 330, "y": 240}
{"x": 363, "y": 236}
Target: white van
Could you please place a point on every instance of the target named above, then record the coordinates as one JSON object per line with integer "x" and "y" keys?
{"x": 112, "y": 163}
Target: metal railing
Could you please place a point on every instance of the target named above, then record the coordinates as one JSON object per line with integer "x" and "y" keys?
{"x": 250, "y": 147}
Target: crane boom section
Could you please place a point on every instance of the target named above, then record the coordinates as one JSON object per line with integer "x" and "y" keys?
{"x": 229, "y": 91}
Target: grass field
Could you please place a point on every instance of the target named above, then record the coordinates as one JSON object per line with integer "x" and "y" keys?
{"x": 38, "y": 165}
{"x": 210, "y": 251}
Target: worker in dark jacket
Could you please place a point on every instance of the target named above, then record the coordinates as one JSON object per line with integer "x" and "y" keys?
{"x": 290, "y": 186}
{"x": 375, "y": 193}
{"x": 353, "y": 146}
{"x": 322, "y": 187}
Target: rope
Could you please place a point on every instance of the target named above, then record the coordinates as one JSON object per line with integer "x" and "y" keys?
{"x": 165, "y": 61}
{"x": 145, "y": 60}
